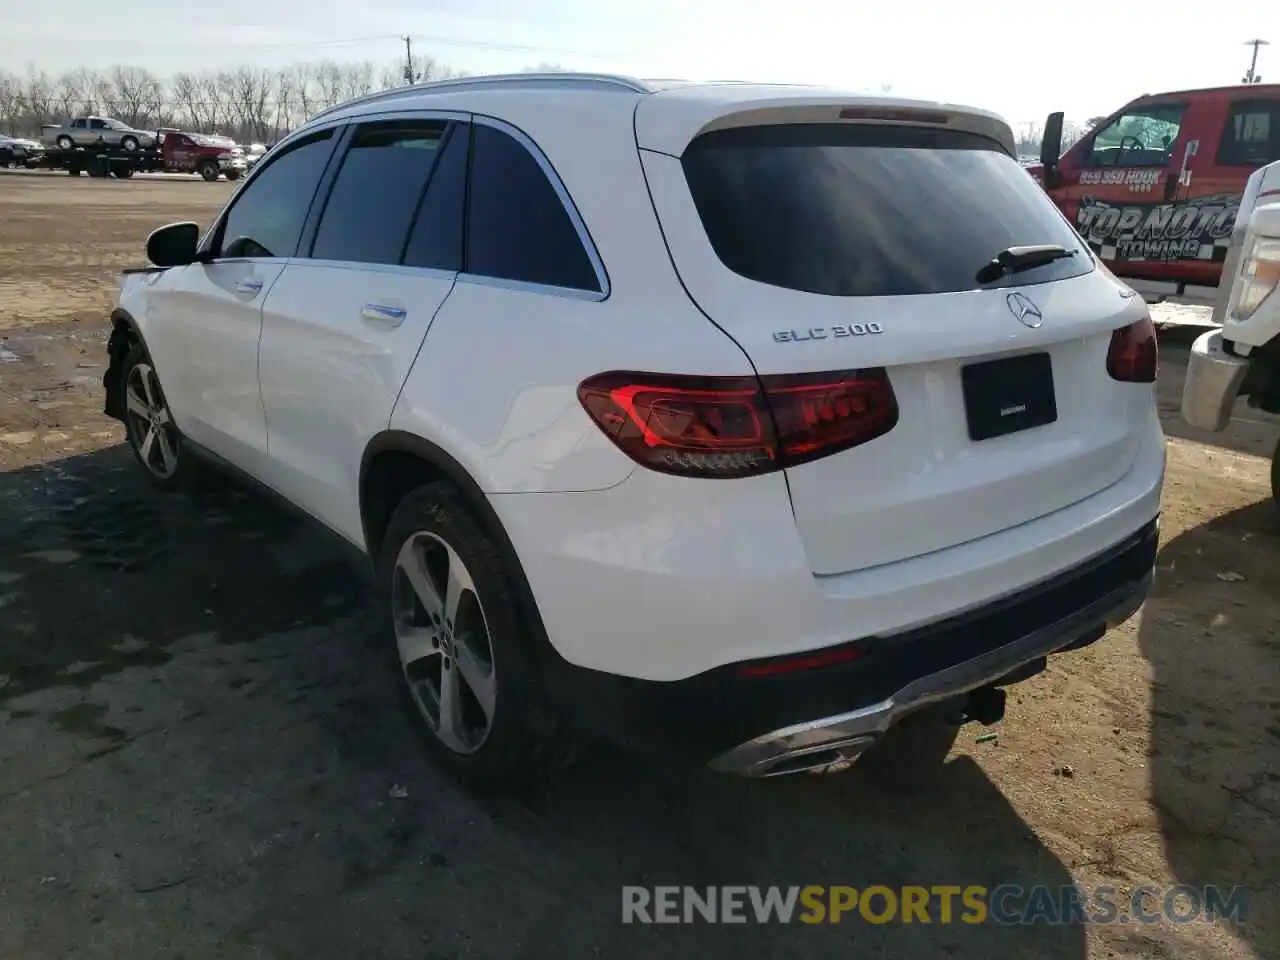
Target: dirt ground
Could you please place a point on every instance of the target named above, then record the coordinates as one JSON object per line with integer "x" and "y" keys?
{"x": 201, "y": 754}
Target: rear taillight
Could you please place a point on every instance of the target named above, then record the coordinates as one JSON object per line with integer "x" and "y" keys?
{"x": 738, "y": 426}
{"x": 1133, "y": 356}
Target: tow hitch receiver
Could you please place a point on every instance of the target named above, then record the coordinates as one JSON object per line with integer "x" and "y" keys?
{"x": 984, "y": 705}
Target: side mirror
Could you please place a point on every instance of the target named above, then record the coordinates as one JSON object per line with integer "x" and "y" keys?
{"x": 174, "y": 245}
{"x": 1051, "y": 142}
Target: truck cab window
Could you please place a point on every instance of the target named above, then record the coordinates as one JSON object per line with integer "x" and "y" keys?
{"x": 1252, "y": 134}
{"x": 1142, "y": 137}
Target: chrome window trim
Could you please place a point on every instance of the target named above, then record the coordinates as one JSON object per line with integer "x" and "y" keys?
{"x": 566, "y": 202}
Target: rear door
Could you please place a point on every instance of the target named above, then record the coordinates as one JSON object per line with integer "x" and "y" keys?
{"x": 344, "y": 323}
{"x": 824, "y": 247}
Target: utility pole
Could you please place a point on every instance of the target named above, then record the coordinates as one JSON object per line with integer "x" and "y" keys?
{"x": 408, "y": 59}
{"x": 1252, "y": 75}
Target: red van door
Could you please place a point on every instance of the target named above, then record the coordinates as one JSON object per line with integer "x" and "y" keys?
{"x": 1122, "y": 182}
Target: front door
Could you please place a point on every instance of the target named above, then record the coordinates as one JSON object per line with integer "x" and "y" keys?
{"x": 205, "y": 319}
{"x": 1122, "y": 183}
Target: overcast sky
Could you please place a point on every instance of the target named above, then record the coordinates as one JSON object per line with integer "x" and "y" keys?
{"x": 1021, "y": 59}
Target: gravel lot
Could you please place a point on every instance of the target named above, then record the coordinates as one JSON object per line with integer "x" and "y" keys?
{"x": 202, "y": 754}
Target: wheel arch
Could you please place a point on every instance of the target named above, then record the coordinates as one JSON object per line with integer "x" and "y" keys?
{"x": 125, "y": 332}
{"x": 396, "y": 462}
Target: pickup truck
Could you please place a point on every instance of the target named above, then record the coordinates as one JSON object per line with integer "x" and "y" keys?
{"x": 89, "y": 131}
{"x": 202, "y": 153}
{"x": 1242, "y": 359}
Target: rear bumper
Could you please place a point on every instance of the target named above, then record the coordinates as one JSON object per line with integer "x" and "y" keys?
{"x": 1214, "y": 378}
{"x": 744, "y": 723}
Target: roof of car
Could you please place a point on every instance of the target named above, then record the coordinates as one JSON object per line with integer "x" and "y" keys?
{"x": 686, "y": 106}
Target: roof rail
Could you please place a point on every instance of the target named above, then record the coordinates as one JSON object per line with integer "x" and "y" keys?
{"x": 505, "y": 80}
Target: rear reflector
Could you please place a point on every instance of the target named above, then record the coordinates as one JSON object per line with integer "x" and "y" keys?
{"x": 738, "y": 426}
{"x": 1134, "y": 355}
{"x": 812, "y": 661}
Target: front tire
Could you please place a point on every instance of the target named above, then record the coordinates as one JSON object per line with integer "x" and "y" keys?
{"x": 464, "y": 652}
{"x": 129, "y": 143}
{"x": 209, "y": 170}
{"x": 153, "y": 436}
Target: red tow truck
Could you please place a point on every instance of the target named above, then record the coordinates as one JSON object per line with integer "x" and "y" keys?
{"x": 1154, "y": 188}
{"x": 177, "y": 151}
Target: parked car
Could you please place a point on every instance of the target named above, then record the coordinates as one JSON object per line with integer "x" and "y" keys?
{"x": 1242, "y": 359}
{"x": 650, "y": 423}
{"x": 17, "y": 151}
{"x": 1155, "y": 187}
{"x": 202, "y": 153}
{"x": 254, "y": 152}
{"x": 87, "y": 131}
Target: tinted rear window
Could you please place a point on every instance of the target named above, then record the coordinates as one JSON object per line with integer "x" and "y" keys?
{"x": 859, "y": 211}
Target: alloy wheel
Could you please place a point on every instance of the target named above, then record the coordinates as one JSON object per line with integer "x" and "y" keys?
{"x": 445, "y": 648}
{"x": 151, "y": 427}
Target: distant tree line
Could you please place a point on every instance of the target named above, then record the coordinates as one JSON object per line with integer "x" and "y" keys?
{"x": 250, "y": 104}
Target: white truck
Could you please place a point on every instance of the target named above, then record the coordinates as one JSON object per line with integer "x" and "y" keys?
{"x": 1242, "y": 359}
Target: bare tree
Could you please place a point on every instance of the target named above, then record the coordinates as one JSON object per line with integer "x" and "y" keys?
{"x": 135, "y": 89}
{"x": 10, "y": 101}
{"x": 210, "y": 99}
{"x": 356, "y": 80}
{"x": 103, "y": 93}
{"x": 38, "y": 95}
{"x": 304, "y": 76}
{"x": 329, "y": 81}
{"x": 283, "y": 117}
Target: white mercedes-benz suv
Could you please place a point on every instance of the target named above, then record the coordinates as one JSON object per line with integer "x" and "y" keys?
{"x": 738, "y": 421}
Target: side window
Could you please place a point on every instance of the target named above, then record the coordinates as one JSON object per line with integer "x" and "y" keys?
{"x": 374, "y": 196}
{"x": 1142, "y": 137}
{"x": 1252, "y": 134}
{"x": 99, "y": 124}
{"x": 79, "y": 124}
{"x": 266, "y": 219}
{"x": 518, "y": 229}
{"x": 436, "y": 240}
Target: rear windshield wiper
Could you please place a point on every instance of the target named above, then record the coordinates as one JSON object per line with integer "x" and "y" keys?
{"x": 1017, "y": 259}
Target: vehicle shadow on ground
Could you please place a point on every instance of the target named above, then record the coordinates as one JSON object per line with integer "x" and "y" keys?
{"x": 267, "y": 796}
{"x": 1215, "y": 739}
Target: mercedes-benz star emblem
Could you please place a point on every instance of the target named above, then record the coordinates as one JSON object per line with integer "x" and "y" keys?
{"x": 1026, "y": 312}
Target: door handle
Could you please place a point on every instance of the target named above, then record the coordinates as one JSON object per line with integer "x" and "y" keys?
{"x": 248, "y": 286}
{"x": 381, "y": 313}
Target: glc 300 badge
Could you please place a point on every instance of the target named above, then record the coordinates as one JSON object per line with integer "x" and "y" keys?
{"x": 828, "y": 333}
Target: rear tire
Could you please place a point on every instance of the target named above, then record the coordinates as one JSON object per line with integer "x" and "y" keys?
{"x": 474, "y": 652}
{"x": 65, "y": 143}
{"x": 129, "y": 143}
